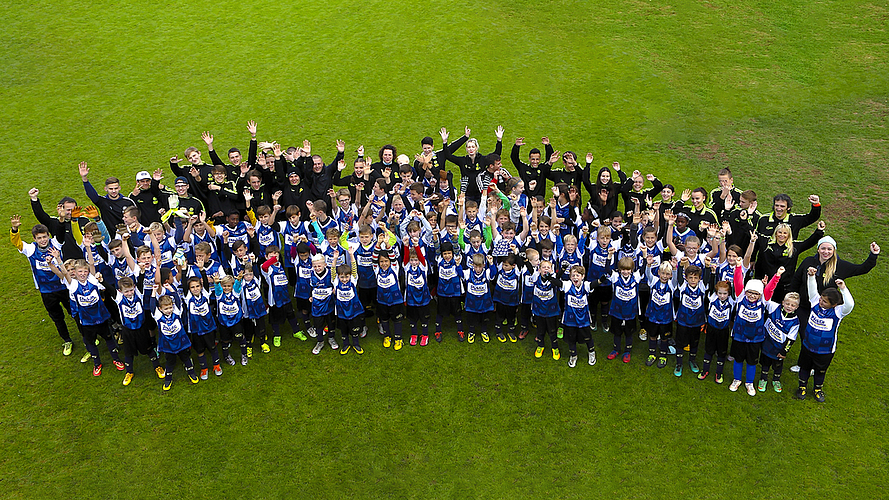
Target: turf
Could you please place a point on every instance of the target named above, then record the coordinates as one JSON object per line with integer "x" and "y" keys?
{"x": 790, "y": 95}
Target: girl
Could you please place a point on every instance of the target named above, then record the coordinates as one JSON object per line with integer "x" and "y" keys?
{"x": 322, "y": 302}
{"x": 782, "y": 327}
{"x": 577, "y": 314}
{"x": 390, "y": 301}
{"x": 479, "y": 301}
{"x": 719, "y": 312}
{"x": 416, "y": 290}
{"x": 349, "y": 310}
{"x": 600, "y": 253}
{"x": 228, "y": 304}
{"x": 172, "y": 339}
{"x": 201, "y": 325}
{"x": 748, "y": 331}
{"x": 781, "y": 251}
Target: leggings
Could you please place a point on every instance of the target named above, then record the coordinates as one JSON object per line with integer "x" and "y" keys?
{"x": 809, "y": 361}
{"x": 547, "y": 326}
{"x": 575, "y": 333}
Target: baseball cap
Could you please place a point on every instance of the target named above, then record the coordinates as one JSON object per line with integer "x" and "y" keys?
{"x": 181, "y": 180}
{"x": 143, "y": 175}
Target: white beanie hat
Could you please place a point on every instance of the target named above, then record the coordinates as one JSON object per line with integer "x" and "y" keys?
{"x": 827, "y": 239}
{"x": 754, "y": 285}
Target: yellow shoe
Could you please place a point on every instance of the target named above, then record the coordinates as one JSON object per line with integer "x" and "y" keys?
{"x": 398, "y": 344}
{"x": 127, "y": 379}
{"x": 556, "y": 354}
{"x": 66, "y": 348}
{"x": 160, "y": 372}
{"x": 387, "y": 342}
{"x": 265, "y": 348}
{"x": 539, "y": 352}
{"x": 249, "y": 352}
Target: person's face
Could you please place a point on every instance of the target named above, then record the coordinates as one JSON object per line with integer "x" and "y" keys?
{"x": 248, "y": 275}
{"x": 387, "y": 156}
{"x": 825, "y": 251}
{"x": 664, "y": 275}
{"x": 497, "y": 165}
{"x": 264, "y": 219}
{"x": 693, "y": 279}
{"x": 697, "y": 199}
{"x": 128, "y": 292}
{"x": 626, "y": 273}
{"x": 824, "y": 302}
{"x": 649, "y": 239}
{"x": 427, "y": 149}
{"x": 344, "y": 201}
{"x": 414, "y": 261}
{"x": 233, "y": 219}
{"x": 569, "y": 160}
{"x": 752, "y": 296}
{"x": 275, "y": 255}
{"x": 576, "y": 277}
{"x": 471, "y": 212}
{"x": 725, "y": 181}
{"x": 201, "y": 256}
{"x": 681, "y": 223}
{"x": 534, "y": 260}
{"x": 605, "y": 177}
{"x": 235, "y": 158}
{"x": 543, "y": 227}
{"x": 616, "y": 222}
{"x": 534, "y": 159}
{"x": 790, "y": 305}
{"x": 317, "y": 165}
{"x": 447, "y": 256}
{"x": 333, "y": 241}
{"x": 294, "y": 179}
{"x": 547, "y": 253}
{"x": 744, "y": 203}
{"x": 502, "y": 219}
{"x": 227, "y": 288}
{"x": 294, "y": 219}
{"x": 508, "y": 267}
{"x": 780, "y": 208}
{"x": 691, "y": 250}
{"x": 384, "y": 262}
{"x": 603, "y": 239}
{"x": 398, "y": 205}
{"x": 510, "y": 234}
{"x": 471, "y": 148}
{"x": 195, "y": 288}
{"x": 255, "y": 183}
{"x": 167, "y": 310}
{"x": 241, "y": 251}
{"x": 144, "y": 184}
{"x": 638, "y": 182}
{"x": 67, "y": 208}
{"x": 144, "y": 259}
{"x": 667, "y": 194}
{"x": 302, "y": 256}
{"x": 359, "y": 168}
{"x": 365, "y": 238}
{"x": 344, "y": 278}
{"x": 218, "y": 177}
{"x": 182, "y": 189}
{"x": 519, "y": 188}
{"x": 416, "y": 196}
{"x": 116, "y": 251}
{"x": 195, "y": 157}
{"x": 452, "y": 229}
{"x": 318, "y": 266}
{"x": 722, "y": 293}
{"x": 781, "y": 236}
{"x": 42, "y": 239}
{"x": 113, "y": 190}
{"x": 546, "y": 267}
{"x": 570, "y": 246}
{"x": 475, "y": 242}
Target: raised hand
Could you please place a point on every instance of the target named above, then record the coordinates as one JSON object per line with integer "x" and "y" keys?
{"x": 841, "y": 285}
{"x": 467, "y": 132}
{"x": 874, "y": 248}
{"x": 176, "y": 159}
{"x": 650, "y": 177}
{"x": 158, "y": 175}
{"x": 686, "y": 195}
{"x": 780, "y": 271}
{"x": 307, "y": 147}
{"x": 251, "y": 127}
{"x": 15, "y": 221}
{"x": 444, "y": 134}
{"x": 814, "y": 199}
{"x": 499, "y": 133}
{"x": 32, "y": 193}
{"x": 208, "y": 139}
{"x": 616, "y": 166}
{"x": 589, "y": 157}
{"x": 84, "y": 170}
{"x": 276, "y": 150}
{"x": 553, "y": 158}
{"x": 340, "y": 145}
{"x": 520, "y": 141}
{"x": 544, "y": 140}
{"x": 360, "y": 150}
{"x": 276, "y": 196}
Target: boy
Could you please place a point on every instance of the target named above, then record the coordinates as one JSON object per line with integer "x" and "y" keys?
{"x": 323, "y": 302}
{"x": 135, "y": 335}
{"x": 348, "y": 306}
{"x": 545, "y": 308}
{"x": 450, "y": 290}
{"x": 201, "y": 325}
{"x": 507, "y": 292}
{"x": 172, "y": 339}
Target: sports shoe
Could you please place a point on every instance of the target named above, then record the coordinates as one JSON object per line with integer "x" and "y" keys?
{"x": 332, "y": 342}
{"x": 160, "y": 372}
{"x": 461, "y": 336}
{"x": 761, "y": 386}
{"x": 117, "y": 364}
{"x": 776, "y": 384}
{"x": 168, "y": 384}
{"x": 243, "y": 360}
{"x": 561, "y": 332}
{"x": 751, "y": 390}
{"x": 387, "y": 342}
{"x": 611, "y": 355}
{"x": 606, "y": 327}
{"x": 572, "y": 361}
{"x": 265, "y": 348}
{"x": 358, "y": 349}
{"x": 229, "y": 359}
{"x": 346, "y": 348}
{"x": 470, "y": 338}
{"x": 66, "y": 348}
{"x": 97, "y": 370}
{"x": 398, "y": 344}
{"x": 364, "y": 331}
{"x": 523, "y": 334}
{"x": 661, "y": 362}
{"x": 592, "y": 360}
{"x": 693, "y": 365}
{"x": 819, "y": 395}
{"x": 794, "y": 368}
{"x": 719, "y": 379}
{"x": 594, "y": 327}
{"x": 734, "y": 385}
{"x": 556, "y": 354}
{"x": 300, "y": 335}
{"x": 277, "y": 341}
{"x": 671, "y": 349}
{"x": 217, "y": 370}
{"x": 380, "y": 326}
{"x": 511, "y": 336}
{"x": 538, "y": 352}
{"x": 318, "y": 347}
{"x": 249, "y": 352}
{"x": 703, "y": 375}
{"x": 193, "y": 378}
{"x": 86, "y": 356}
{"x": 485, "y": 337}
{"x": 413, "y": 340}
{"x": 677, "y": 371}
{"x": 626, "y": 357}
{"x": 127, "y": 379}
{"x": 501, "y": 337}
{"x": 204, "y": 373}
{"x": 651, "y": 359}
{"x": 311, "y": 332}
{"x": 424, "y": 340}
{"x": 800, "y": 394}
{"x": 643, "y": 335}
{"x": 438, "y": 336}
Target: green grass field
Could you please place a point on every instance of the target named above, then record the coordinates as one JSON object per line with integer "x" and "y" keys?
{"x": 792, "y": 96}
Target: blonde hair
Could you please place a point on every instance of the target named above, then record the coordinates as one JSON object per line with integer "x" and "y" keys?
{"x": 666, "y": 266}
{"x": 792, "y": 296}
{"x": 789, "y": 244}
{"x": 830, "y": 267}
{"x": 569, "y": 238}
{"x": 227, "y": 280}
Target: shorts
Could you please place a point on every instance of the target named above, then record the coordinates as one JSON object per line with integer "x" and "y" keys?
{"x": 394, "y": 312}
{"x": 203, "y": 342}
{"x": 746, "y": 352}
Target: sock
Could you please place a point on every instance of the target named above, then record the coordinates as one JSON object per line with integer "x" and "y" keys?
{"x": 276, "y": 329}
{"x": 294, "y": 325}
{"x": 128, "y": 363}
{"x": 616, "y": 341}
{"x": 737, "y": 370}
{"x": 652, "y": 346}
{"x": 751, "y": 373}
{"x": 202, "y": 359}
{"x": 662, "y": 345}
{"x": 819, "y": 378}
{"x": 572, "y": 348}
{"x": 425, "y": 327}
{"x": 413, "y": 329}
{"x": 215, "y": 353}
{"x": 707, "y": 358}
{"x": 396, "y": 331}
{"x": 720, "y": 365}
{"x": 354, "y": 340}
{"x": 225, "y": 347}
{"x": 679, "y": 358}
{"x": 385, "y": 325}
{"x": 459, "y": 321}
{"x": 153, "y": 359}
{"x": 438, "y": 323}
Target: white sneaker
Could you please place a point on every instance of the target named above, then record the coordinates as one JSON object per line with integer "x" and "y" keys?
{"x": 734, "y": 385}
{"x": 794, "y": 368}
{"x": 751, "y": 390}
{"x": 643, "y": 335}
{"x": 671, "y": 350}
{"x": 382, "y": 332}
{"x": 318, "y": 347}
{"x": 333, "y": 344}
{"x": 243, "y": 360}
{"x": 572, "y": 361}
{"x": 592, "y": 358}
{"x": 364, "y": 331}
{"x": 311, "y": 332}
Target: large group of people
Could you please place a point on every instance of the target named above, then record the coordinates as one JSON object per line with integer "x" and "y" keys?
{"x": 555, "y": 251}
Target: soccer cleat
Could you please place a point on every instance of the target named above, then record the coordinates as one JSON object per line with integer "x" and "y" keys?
{"x": 204, "y": 373}
{"x": 592, "y": 358}
{"x": 127, "y": 379}
{"x": 471, "y": 338}
{"x": 387, "y": 342}
{"x": 523, "y": 334}
{"x": 719, "y": 378}
{"x": 776, "y": 384}
{"x": 556, "y": 354}
{"x": 661, "y": 362}
{"x": 380, "y": 326}
{"x": 311, "y": 332}
{"x": 761, "y": 386}
{"x": 572, "y": 361}
{"x": 677, "y": 371}
{"x": 168, "y": 384}
{"x": 538, "y": 352}
{"x": 160, "y": 372}
{"x": 611, "y": 355}
{"x": 438, "y": 336}
{"x": 594, "y": 327}
{"x": 364, "y": 331}
{"x": 606, "y": 327}
{"x": 413, "y": 340}
{"x": 751, "y": 390}
{"x": 86, "y": 356}
{"x": 424, "y": 340}
{"x": 97, "y": 370}
{"x": 694, "y": 366}
{"x": 358, "y": 349}
{"x": 461, "y": 336}
{"x": 277, "y": 341}
{"x": 97, "y": 341}
{"x": 318, "y": 347}
{"x": 651, "y": 359}
{"x": 501, "y": 337}
{"x": 703, "y": 375}
{"x": 643, "y": 335}
{"x": 265, "y": 348}
{"x": 485, "y": 337}
{"x": 249, "y": 352}
{"x": 671, "y": 349}
{"x": 626, "y": 357}
{"x": 217, "y": 370}
{"x": 734, "y": 385}
{"x": 398, "y": 344}
{"x": 800, "y": 394}
{"x": 118, "y": 365}
{"x": 229, "y": 359}
{"x": 243, "y": 360}
{"x": 66, "y": 348}
{"x": 819, "y": 395}
{"x": 794, "y": 369}
{"x": 193, "y": 378}
{"x": 333, "y": 344}
{"x": 300, "y": 335}
{"x": 561, "y": 333}
{"x": 346, "y": 348}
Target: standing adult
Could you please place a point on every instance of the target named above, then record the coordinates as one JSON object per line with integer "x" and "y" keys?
{"x": 147, "y": 195}
{"x": 534, "y": 173}
{"x": 472, "y": 163}
{"x": 237, "y": 168}
{"x": 781, "y": 205}
{"x": 112, "y": 205}
{"x": 65, "y": 228}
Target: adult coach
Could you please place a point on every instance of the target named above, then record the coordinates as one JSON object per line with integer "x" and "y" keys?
{"x": 112, "y": 205}
{"x": 472, "y": 163}
{"x": 533, "y": 173}
{"x": 781, "y": 205}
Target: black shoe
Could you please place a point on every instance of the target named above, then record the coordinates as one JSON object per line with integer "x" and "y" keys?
{"x": 661, "y": 361}
{"x": 819, "y": 395}
{"x": 800, "y": 394}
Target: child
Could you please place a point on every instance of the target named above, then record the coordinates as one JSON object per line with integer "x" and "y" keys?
{"x": 748, "y": 331}
{"x": 507, "y": 294}
{"x": 135, "y": 335}
{"x": 416, "y": 290}
{"x": 450, "y": 290}
{"x": 529, "y": 278}
{"x": 820, "y": 341}
{"x": 660, "y": 310}
{"x": 255, "y": 311}
{"x": 302, "y": 291}
{"x": 278, "y": 296}
{"x": 601, "y": 252}
{"x": 201, "y": 325}
{"x": 624, "y": 306}
{"x": 648, "y": 246}
{"x": 322, "y": 303}
{"x": 172, "y": 339}
{"x": 479, "y": 302}
{"x": 782, "y": 327}
{"x": 690, "y": 316}
{"x": 349, "y": 311}
{"x": 292, "y": 231}
{"x": 545, "y": 308}
{"x": 363, "y": 258}
{"x": 390, "y": 301}
{"x": 719, "y": 312}
{"x": 577, "y": 314}
{"x": 228, "y": 303}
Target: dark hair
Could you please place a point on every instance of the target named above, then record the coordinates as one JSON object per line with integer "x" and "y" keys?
{"x": 112, "y": 180}
{"x": 509, "y": 259}
{"x": 700, "y": 190}
{"x": 670, "y": 187}
{"x": 427, "y": 140}
{"x": 778, "y": 197}
{"x": 833, "y": 296}
{"x": 389, "y": 147}
{"x": 533, "y": 150}
{"x": 493, "y": 158}
{"x": 39, "y": 229}
{"x": 234, "y": 150}
{"x": 692, "y": 271}
{"x": 67, "y": 199}
{"x": 547, "y": 244}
